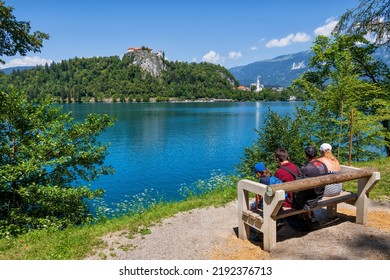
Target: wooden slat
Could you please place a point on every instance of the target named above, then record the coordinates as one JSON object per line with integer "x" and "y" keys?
{"x": 309, "y": 183}
{"x": 343, "y": 197}
{"x": 252, "y": 218}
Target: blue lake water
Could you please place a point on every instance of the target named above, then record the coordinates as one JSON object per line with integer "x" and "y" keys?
{"x": 165, "y": 145}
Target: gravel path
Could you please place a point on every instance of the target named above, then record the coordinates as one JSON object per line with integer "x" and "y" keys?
{"x": 210, "y": 233}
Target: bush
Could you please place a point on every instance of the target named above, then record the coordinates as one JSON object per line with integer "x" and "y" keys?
{"x": 278, "y": 132}
{"x": 44, "y": 156}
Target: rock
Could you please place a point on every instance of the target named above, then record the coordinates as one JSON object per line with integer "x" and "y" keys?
{"x": 150, "y": 62}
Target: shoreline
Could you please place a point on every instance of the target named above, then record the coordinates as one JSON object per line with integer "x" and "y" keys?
{"x": 211, "y": 100}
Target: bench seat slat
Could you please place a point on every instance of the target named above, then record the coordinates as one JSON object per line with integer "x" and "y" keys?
{"x": 252, "y": 218}
{"x": 327, "y": 201}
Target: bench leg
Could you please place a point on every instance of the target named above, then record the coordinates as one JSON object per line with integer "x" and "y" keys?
{"x": 362, "y": 202}
{"x": 243, "y": 204}
{"x": 243, "y": 230}
{"x": 331, "y": 211}
{"x": 361, "y": 212}
{"x": 269, "y": 234}
{"x": 269, "y": 225}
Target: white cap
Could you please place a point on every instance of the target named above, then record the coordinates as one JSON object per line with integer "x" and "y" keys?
{"x": 325, "y": 146}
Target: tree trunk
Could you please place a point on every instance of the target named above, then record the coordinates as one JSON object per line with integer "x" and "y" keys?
{"x": 386, "y": 125}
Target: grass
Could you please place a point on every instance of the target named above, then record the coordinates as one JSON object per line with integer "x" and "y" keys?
{"x": 75, "y": 243}
{"x": 78, "y": 242}
{"x": 381, "y": 191}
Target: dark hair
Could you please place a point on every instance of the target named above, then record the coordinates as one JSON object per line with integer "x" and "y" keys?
{"x": 265, "y": 173}
{"x": 281, "y": 154}
{"x": 311, "y": 152}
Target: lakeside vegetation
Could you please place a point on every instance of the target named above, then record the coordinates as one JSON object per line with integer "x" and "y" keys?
{"x": 77, "y": 242}
{"x": 116, "y": 79}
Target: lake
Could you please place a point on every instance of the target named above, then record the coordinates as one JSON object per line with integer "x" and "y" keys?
{"x": 161, "y": 146}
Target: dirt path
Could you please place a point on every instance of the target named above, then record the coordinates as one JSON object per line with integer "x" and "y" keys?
{"x": 210, "y": 233}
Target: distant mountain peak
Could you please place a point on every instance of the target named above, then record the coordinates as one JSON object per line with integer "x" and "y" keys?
{"x": 281, "y": 70}
{"x": 284, "y": 69}
{"x": 9, "y": 70}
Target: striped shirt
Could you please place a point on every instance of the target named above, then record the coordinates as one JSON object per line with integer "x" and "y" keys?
{"x": 333, "y": 189}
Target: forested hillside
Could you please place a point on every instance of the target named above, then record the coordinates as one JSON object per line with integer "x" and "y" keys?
{"x": 101, "y": 78}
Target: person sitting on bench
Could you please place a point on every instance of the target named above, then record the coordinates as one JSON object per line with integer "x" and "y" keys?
{"x": 333, "y": 166}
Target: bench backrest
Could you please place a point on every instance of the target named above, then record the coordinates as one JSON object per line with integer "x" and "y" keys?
{"x": 347, "y": 174}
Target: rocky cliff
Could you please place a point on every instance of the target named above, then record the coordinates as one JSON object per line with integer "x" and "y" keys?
{"x": 149, "y": 61}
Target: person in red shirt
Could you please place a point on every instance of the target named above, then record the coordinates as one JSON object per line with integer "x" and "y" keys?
{"x": 283, "y": 160}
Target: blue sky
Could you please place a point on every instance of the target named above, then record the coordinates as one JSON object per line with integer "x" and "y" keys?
{"x": 225, "y": 32}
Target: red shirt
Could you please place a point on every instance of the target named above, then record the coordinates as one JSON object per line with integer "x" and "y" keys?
{"x": 286, "y": 176}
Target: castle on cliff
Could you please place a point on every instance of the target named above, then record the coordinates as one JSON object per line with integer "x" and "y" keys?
{"x": 149, "y": 61}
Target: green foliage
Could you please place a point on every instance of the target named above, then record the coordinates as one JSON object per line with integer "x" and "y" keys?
{"x": 98, "y": 78}
{"x": 332, "y": 54}
{"x": 381, "y": 191}
{"x": 371, "y": 17}
{"x": 351, "y": 96}
{"x": 289, "y": 133}
{"x": 45, "y": 159}
{"x": 15, "y": 35}
{"x": 77, "y": 242}
{"x": 351, "y": 107}
{"x": 203, "y": 187}
{"x": 130, "y": 205}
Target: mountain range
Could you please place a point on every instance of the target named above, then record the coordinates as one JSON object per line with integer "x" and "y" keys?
{"x": 9, "y": 70}
{"x": 278, "y": 71}
{"x": 282, "y": 70}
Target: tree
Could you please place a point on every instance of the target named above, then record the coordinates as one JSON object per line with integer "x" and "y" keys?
{"x": 344, "y": 78}
{"x": 15, "y": 35}
{"x": 45, "y": 161}
{"x": 328, "y": 51}
{"x": 371, "y": 17}
{"x": 288, "y": 132}
{"x": 343, "y": 81}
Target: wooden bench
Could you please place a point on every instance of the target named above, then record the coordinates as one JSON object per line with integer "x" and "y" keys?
{"x": 273, "y": 196}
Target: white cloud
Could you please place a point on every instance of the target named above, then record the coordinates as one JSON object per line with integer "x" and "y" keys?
{"x": 27, "y": 61}
{"x": 299, "y": 37}
{"x": 327, "y": 28}
{"x": 213, "y": 57}
{"x": 234, "y": 55}
{"x": 253, "y": 48}
{"x": 194, "y": 59}
{"x": 280, "y": 42}
{"x": 371, "y": 37}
